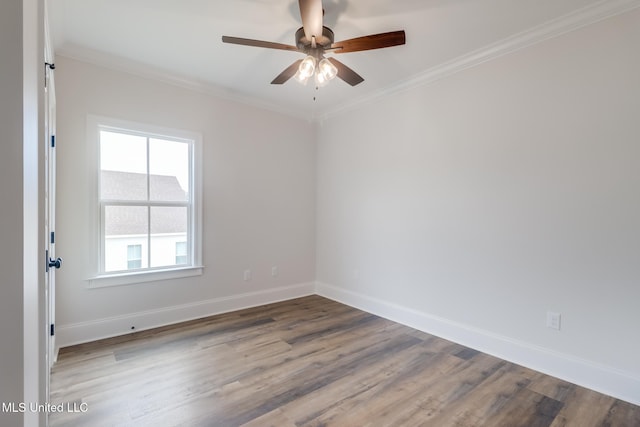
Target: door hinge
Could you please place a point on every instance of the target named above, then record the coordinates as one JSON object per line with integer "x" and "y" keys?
{"x": 53, "y": 141}
{"x": 51, "y": 67}
{"x": 53, "y": 237}
{"x": 52, "y": 329}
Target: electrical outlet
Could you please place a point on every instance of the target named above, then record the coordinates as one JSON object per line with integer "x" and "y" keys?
{"x": 247, "y": 275}
{"x": 553, "y": 320}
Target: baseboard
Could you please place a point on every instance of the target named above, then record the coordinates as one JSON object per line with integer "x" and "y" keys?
{"x": 601, "y": 378}
{"x": 83, "y": 332}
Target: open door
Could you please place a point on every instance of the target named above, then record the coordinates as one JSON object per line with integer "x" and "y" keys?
{"x": 52, "y": 261}
{"x": 50, "y": 214}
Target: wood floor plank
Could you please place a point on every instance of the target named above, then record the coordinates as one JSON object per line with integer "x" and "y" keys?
{"x": 435, "y": 401}
{"x": 551, "y": 387}
{"x": 585, "y": 408}
{"x": 488, "y": 397}
{"x": 275, "y": 418}
{"x": 394, "y": 399}
{"x": 372, "y": 388}
{"x": 311, "y": 362}
{"x": 315, "y": 378}
{"x": 527, "y": 409}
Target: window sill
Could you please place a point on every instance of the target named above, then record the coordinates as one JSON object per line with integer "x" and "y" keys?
{"x": 122, "y": 279}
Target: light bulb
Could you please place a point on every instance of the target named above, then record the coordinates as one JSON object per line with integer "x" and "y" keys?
{"x": 327, "y": 69}
{"x": 321, "y": 80}
{"x": 301, "y": 79}
{"x": 307, "y": 67}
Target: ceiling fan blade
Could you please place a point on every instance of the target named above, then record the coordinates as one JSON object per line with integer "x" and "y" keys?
{"x": 258, "y": 43}
{"x": 289, "y": 72}
{"x": 311, "y": 14}
{"x": 373, "y": 41}
{"x": 346, "y": 73}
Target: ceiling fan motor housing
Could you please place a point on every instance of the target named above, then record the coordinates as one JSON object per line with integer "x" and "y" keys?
{"x": 324, "y": 41}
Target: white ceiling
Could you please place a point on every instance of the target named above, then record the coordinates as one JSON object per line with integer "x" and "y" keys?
{"x": 180, "y": 40}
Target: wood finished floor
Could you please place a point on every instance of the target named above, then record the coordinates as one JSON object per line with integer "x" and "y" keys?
{"x": 311, "y": 362}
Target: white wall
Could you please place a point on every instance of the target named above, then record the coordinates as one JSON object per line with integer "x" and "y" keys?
{"x": 259, "y": 204}
{"x": 472, "y": 206}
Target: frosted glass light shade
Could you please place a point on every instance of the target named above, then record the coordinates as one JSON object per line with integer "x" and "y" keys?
{"x": 307, "y": 67}
{"x": 327, "y": 69}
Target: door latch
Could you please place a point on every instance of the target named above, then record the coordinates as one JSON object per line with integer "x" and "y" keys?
{"x": 57, "y": 263}
{"x": 52, "y": 263}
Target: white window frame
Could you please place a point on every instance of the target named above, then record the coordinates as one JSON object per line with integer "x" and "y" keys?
{"x": 100, "y": 278}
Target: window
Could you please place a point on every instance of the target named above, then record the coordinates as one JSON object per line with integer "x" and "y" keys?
{"x": 181, "y": 253}
{"x": 134, "y": 257}
{"x": 148, "y": 205}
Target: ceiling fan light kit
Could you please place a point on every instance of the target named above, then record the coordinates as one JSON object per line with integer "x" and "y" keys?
{"x": 306, "y": 69}
{"x": 314, "y": 40}
{"x": 324, "y": 71}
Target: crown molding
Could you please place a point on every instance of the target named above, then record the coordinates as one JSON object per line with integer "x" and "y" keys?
{"x": 556, "y": 27}
{"x": 128, "y": 66}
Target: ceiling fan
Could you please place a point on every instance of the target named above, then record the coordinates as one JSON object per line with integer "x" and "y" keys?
{"x": 316, "y": 40}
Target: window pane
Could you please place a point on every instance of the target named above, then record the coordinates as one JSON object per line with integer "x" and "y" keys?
{"x": 134, "y": 252}
{"x": 124, "y": 227}
{"x": 134, "y": 257}
{"x": 181, "y": 253}
{"x": 169, "y": 170}
{"x": 123, "y": 166}
{"x": 168, "y": 226}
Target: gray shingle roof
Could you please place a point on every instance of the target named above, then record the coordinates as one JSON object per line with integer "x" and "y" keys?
{"x": 131, "y": 220}
{"x": 115, "y": 185}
